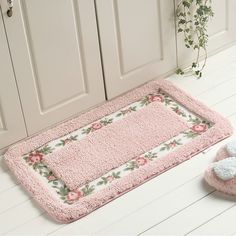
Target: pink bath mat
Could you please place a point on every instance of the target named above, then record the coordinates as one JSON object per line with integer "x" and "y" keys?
{"x": 82, "y": 164}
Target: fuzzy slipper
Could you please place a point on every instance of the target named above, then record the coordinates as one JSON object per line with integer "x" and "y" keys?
{"x": 221, "y": 174}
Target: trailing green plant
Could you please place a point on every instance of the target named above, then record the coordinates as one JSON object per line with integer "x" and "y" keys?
{"x": 192, "y": 20}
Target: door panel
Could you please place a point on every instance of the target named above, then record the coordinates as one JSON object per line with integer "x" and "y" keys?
{"x": 222, "y": 30}
{"x": 57, "y": 64}
{"x": 12, "y": 126}
{"x": 138, "y": 41}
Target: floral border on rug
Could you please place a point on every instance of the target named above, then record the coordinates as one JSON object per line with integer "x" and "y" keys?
{"x": 198, "y": 125}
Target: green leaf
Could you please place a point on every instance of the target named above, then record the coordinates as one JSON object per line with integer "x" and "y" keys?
{"x": 182, "y": 21}
{"x": 194, "y": 65}
{"x": 163, "y": 148}
{"x": 63, "y": 191}
{"x": 179, "y": 71}
{"x": 186, "y": 4}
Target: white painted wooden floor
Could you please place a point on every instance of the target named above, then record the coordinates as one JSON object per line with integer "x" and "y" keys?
{"x": 177, "y": 202}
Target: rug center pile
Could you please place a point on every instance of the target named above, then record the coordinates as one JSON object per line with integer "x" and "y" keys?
{"x": 115, "y": 144}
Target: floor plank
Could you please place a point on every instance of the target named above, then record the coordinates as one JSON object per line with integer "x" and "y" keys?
{"x": 227, "y": 107}
{"x": 7, "y": 181}
{"x": 45, "y": 223}
{"x": 192, "y": 216}
{"x": 198, "y": 86}
{"x": 14, "y": 196}
{"x": 221, "y": 224}
{"x": 18, "y": 216}
{"x": 161, "y": 209}
{"x": 219, "y": 93}
{"x": 3, "y": 166}
{"x": 232, "y": 119}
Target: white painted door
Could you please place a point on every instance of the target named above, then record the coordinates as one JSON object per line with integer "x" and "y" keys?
{"x": 222, "y": 31}
{"x": 56, "y": 57}
{"x": 12, "y": 126}
{"x": 137, "y": 41}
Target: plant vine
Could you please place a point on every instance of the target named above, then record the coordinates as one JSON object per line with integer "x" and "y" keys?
{"x": 192, "y": 21}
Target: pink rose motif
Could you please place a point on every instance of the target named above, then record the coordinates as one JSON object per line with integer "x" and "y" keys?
{"x": 67, "y": 141}
{"x": 109, "y": 178}
{"x": 179, "y": 112}
{"x": 72, "y": 196}
{"x": 79, "y": 194}
{"x": 127, "y": 111}
{"x": 35, "y": 157}
{"x": 199, "y": 128}
{"x": 141, "y": 161}
{"x": 51, "y": 177}
{"x": 172, "y": 144}
{"x": 154, "y": 98}
{"x": 96, "y": 126}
